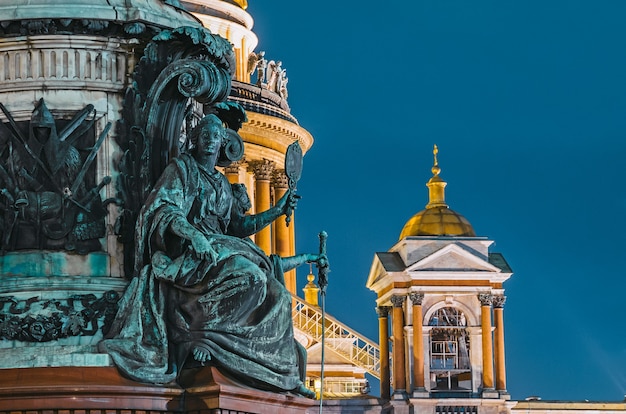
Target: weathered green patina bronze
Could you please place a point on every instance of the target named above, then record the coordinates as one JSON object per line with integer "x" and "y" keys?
{"x": 204, "y": 292}
{"x": 293, "y": 170}
{"x": 179, "y": 67}
{"x": 49, "y": 198}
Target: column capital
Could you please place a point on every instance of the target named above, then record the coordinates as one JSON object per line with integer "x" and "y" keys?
{"x": 262, "y": 169}
{"x": 498, "y": 301}
{"x": 485, "y": 299}
{"x": 383, "y": 311}
{"x": 398, "y": 300}
{"x": 280, "y": 179}
{"x": 416, "y": 298}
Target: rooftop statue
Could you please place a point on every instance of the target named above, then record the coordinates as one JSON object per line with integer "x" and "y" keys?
{"x": 275, "y": 71}
{"x": 258, "y": 63}
{"x": 203, "y": 292}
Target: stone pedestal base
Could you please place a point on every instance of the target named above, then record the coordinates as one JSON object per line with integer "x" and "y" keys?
{"x": 420, "y": 393}
{"x": 96, "y": 389}
{"x": 490, "y": 393}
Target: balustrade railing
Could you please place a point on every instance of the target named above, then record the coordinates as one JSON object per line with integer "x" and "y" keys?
{"x": 346, "y": 342}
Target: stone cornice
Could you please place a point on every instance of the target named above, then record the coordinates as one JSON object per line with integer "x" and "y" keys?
{"x": 219, "y": 9}
{"x": 274, "y": 133}
{"x": 155, "y": 13}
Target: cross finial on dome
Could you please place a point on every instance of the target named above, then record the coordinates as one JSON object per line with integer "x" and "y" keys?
{"x": 436, "y": 170}
{"x": 436, "y": 185}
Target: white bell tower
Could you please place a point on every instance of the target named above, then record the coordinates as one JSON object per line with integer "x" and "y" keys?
{"x": 443, "y": 290}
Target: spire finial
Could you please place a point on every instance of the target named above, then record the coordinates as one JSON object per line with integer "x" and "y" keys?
{"x": 436, "y": 170}
{"x": 311, "y": 291}
{"x": 436, "y": 186}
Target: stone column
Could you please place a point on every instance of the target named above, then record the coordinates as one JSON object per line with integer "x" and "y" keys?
{"x": 397, "y": 331}
{"x": 262, "y": 174}
{"x": 383, "y": 337}
{"x": 282, "y": 240}
{"x": 498, "y": 310}
{"x": 418, "y": 342}
{"x": 485, "y": 312}
{"x": 232, "y": 172}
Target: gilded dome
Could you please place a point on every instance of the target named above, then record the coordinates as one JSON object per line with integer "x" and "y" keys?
{"x": 437, "y": 219}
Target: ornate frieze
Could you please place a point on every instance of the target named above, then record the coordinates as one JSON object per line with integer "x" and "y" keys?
{"x": 34, "y": 27}
{"x": 42, "y": 320}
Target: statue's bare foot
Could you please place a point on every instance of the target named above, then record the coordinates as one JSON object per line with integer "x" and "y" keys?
{"x": 304, "y": 391}
{"x": 201, "y": 354}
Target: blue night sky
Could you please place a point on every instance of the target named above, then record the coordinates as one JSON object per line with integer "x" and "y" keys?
{"x": 527, "y": 103}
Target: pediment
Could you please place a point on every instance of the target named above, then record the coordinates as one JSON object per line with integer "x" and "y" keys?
{"x": 384, "y": 263}
{"x": 453, "y": 258}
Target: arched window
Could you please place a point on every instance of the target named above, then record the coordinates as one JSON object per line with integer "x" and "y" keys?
{"x": 449, "y": 351}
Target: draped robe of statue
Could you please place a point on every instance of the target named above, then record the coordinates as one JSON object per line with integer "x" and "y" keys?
{"x": 236, "y": 307}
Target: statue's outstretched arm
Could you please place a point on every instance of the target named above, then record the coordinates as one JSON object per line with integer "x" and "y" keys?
{"x": 290, "y": 263}
{"x": 244, "y": 226}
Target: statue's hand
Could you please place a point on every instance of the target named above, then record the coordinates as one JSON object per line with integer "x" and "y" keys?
{"x": 203, "y": 249}
{"x": 287, "y": 203}
{"x": 320, "y": 259}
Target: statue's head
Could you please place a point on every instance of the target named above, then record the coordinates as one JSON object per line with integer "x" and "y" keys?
{"x": 206, "y": 140}
{"x": 213, "y": 129}
{"x": 42, "y": 122}
{"x": 211, "y": 126}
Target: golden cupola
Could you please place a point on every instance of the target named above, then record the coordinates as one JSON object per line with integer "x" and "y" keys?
{"x": 437, "y": 219}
